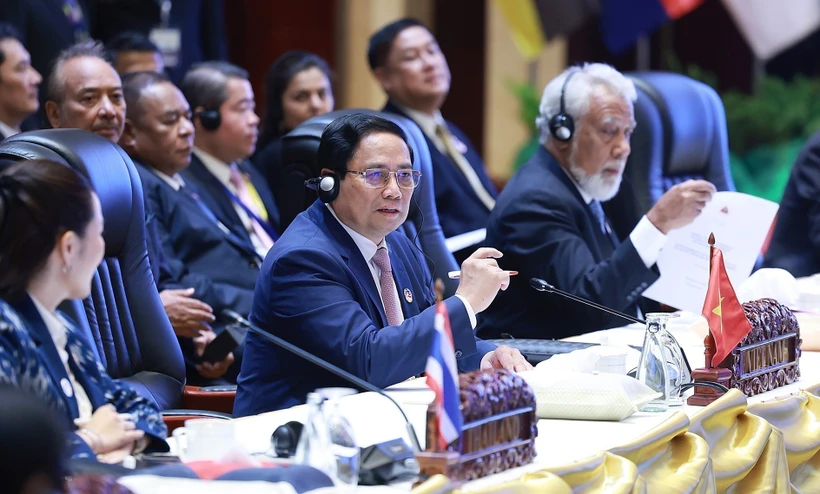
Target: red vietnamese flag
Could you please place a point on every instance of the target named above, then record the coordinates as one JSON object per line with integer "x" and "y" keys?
{"x": 727, "y": 320}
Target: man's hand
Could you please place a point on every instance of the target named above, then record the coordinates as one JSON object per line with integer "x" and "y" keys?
{"x": 481, "y": 278}
{"x": 207, "y": 369}
{"x": 505, "y": 357}
{"x": 188, "y": 315}
{"x": 680, "y": 205}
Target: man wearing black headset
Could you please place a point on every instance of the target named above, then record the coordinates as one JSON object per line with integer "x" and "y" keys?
{"x": 342, "y": 284}
{"x": 226, "y": 128}
{"x": 550, "y": 224}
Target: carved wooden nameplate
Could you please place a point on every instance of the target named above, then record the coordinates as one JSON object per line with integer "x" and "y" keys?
{"x": 498, "y": 433}
{"x": 767, "y": 358}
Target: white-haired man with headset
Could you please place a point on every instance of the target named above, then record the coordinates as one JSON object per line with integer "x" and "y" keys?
{"x": 549, "y": 222}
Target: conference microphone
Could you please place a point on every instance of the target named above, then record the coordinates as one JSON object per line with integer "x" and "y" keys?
{"x": 543, "y": 286}
{"x": 358, "y": 382}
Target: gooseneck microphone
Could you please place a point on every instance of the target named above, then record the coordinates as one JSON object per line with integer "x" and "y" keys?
{"x": 543, "y": 286}
{"x": 313, "y": 359}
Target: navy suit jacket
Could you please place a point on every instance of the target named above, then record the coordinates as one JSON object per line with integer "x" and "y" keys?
{"x": 795, "y": 244}
{"x": 29, "y": 361}
{"x": 546, "y": 230}
{"x": 214, "y": 195}
{"x": 459, "y": 208}
{"x": 221, "y": 266}
{"x": 316, "y": 291}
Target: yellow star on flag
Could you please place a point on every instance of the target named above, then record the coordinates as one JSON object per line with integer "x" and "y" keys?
{"x": 718, "y": 310}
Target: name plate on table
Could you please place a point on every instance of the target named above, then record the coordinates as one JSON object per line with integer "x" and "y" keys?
{"x": 498, "y": 433}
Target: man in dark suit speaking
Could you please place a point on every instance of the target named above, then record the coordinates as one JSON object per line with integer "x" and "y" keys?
{"x": 549, "y": 222}
{"x": 344, "y": 285}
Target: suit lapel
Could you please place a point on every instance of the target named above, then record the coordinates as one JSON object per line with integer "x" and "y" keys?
{"x": 38, "y": 331}
{"x": 408, "y": 298}
{"x": 351, "y": 255}
{"x": 215, "y": 196}
{"x": 84, "y": 366}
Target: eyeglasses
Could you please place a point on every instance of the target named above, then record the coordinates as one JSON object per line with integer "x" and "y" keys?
{"x": 376, "y": 178}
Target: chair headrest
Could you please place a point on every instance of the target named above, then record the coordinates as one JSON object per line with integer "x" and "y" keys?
{"x": 689, "y": 137}
{"x": 108, "y": 168}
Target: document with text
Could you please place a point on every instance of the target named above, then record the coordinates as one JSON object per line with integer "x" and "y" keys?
{"x": 740, "y": 223}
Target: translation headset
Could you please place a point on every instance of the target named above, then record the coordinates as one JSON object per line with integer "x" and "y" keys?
{"x": 326, "y": 187}
{"x": 561, "y": 125}
{"x": 210, "y": 119}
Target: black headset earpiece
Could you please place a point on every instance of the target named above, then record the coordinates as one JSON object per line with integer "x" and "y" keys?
{"x": 326, "y": 186}
{"x": 561, "y": 125}
{"x": 210, "y": 119}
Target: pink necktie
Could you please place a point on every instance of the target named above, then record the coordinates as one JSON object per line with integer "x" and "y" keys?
{"x": 238, "y": 181}
{"x": 388, "y": 286}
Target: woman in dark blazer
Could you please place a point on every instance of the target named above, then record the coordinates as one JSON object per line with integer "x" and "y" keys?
{"x": 297, "y": 88}
{"x": 50, "y": 246}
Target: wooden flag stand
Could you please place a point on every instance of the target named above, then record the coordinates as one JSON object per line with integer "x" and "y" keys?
{"x": 705, "y": 395}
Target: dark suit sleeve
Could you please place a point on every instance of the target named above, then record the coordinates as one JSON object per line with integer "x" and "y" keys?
{"x": 548, "y": 238}
{"x": 308, "y": 291}
{"x": 807, "y": 178}
{"x": 218, "y": 295}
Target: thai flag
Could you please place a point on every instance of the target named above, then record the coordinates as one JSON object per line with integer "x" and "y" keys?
{"x": 442, "y": 378}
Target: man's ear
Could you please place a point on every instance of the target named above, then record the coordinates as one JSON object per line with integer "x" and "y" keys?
{"x": 53, "y": 114}
{"x": 326, "y": 172}
{"x": 382, "y": 75}
{"x": 128, "y": 140}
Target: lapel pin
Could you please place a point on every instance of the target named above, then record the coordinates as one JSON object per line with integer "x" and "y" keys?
{"x": 67, "y": 389}
{"x": 408, "y": 295}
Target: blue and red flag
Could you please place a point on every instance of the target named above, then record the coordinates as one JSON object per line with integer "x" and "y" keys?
{"x": 624, "y": 21}
{"x": 442, "y": 378}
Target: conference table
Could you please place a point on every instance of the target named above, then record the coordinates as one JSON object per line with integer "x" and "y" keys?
{"x": 765, "y": 443}
{"x": 574, "y": 453}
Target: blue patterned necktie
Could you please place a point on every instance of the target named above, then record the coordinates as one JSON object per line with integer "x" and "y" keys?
{"x": 598, "y": 212}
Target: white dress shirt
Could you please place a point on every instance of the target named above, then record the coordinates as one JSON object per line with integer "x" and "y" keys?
{"x": 646, "y": 238}
{"x": 8, "y": 131}
{"x": 368, "y": 250}
{"x": 222, "y": 172}
{"x": 176, "y": 182}
{"x": 59, "y": 334}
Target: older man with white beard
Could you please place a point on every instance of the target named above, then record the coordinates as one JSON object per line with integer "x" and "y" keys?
{"x": 549, "y": 222}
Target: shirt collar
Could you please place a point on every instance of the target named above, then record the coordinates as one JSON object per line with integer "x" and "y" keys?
{"x": 365, "y": 245}
{"x": 7, "y": 130}
{"x": 586, "y": 197}
{"x": 426, "y": 122}
{"x": 218, "y": 168}
{"x": 175, "y": 182}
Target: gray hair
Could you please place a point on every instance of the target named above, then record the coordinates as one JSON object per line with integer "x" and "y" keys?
{"x": 205, "y": 84}
{"x": 585, "y": 81}
{"x": 55, "y": 87}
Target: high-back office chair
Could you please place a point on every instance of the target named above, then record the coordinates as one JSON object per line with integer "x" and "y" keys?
{"x": 124, "y": 315}
{"x": 681, "y": 135}
{"x": 299, "y": 151}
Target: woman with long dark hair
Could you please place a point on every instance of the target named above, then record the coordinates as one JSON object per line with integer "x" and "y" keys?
{"x": 50, "y": 246}
{"x": 298, "y": 87}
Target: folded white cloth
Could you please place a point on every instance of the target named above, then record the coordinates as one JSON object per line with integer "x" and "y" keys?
{"x": 774, "y": 283}
{"x": 584, "y": 396}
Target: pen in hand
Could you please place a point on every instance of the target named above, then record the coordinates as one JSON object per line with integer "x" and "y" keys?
{"x": 454, "y": 275}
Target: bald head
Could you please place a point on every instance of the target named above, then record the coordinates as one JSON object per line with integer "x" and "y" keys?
{"x": 85, "y": 92}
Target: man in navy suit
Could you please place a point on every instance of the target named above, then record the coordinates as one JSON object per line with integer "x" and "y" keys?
{"x": 200, "y": 252}
{"x": 795, "y": 244}
{"x": 412, "y": 70}
{"x": 85, "y": 92}
{"x": 550, "y": 224}
{"x": 344, "y": 285}
{"x": 19, "y": 82}
{"x": 226, "y": 126}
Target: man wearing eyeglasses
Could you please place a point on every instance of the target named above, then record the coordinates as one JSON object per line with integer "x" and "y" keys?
{"x": 344, "y": 285}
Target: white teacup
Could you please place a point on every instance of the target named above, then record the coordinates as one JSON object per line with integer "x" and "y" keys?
{"x": 205, "y": 439}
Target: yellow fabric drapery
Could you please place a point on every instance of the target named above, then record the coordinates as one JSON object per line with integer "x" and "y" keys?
{"x": 727, "y": 447}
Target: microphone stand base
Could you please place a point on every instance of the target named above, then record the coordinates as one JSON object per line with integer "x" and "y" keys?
{"x": 705, "y": 395}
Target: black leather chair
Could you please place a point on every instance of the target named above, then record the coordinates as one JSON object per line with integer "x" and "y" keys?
{"x": 123, "y": 316}
{"x": 299, "y": 150}
{"x": 681, "y": 135}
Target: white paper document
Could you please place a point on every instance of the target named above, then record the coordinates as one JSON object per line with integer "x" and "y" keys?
{"x": 740, "y": 223}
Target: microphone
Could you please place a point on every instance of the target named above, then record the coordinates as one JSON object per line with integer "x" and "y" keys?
{"x": 360, "y": 383}
{"x": 543, "y": 286}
